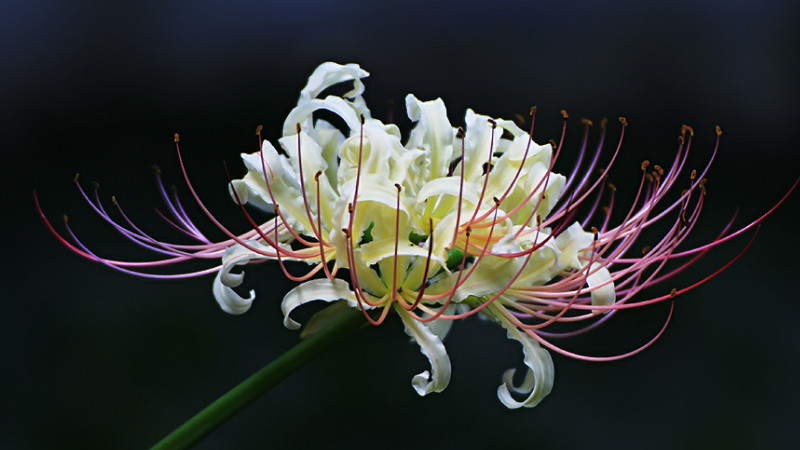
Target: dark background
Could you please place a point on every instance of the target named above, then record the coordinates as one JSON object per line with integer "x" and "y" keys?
{"x": 96, "y": 359}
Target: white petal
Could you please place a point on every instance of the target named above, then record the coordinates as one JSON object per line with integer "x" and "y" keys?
{"x": 227, "y": 298}
{"x": 325, "y": 289}
{"x": 539, "y": 379}
{"x": 604, "y": 295}
{"x": 430, "y": 346}
{"x": 330, "y": 73}
{"x": 433, "y": 133}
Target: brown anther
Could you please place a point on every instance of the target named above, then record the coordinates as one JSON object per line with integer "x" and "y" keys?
{"x": 177, "y": 138}
{"x": 362, "y": 119}
{"x": 491, "y": 121}
{"x": 114, "y": 200}
{"x": 702, "y": 182}
{"x": 673, "y": 293}
{"x": 468, "y": 231}
{"x": 718, "y": 130}
{"x": 544, "y": 196}
{"x": 95, "y": 185}
{"x": 66, "y": 219}
{"x": 683, "y": 218}
{"x": 460, "y": 133}
{"x": 75, "y": 179}
{"x": 604, "y": 122}
{"x": 564, "y": 114}
{"x": 649, "y": 177}
{"x": 645, "y": 164}
{"x": 519, "y": 119}
{"x": 277, "y": 209}
{"x": 606, "y": 210}
{"x": 594, "y": 230}
{"x": 612, "y": 187}
{"x": 645, "y": 249}
{"x": 538, "y": 220}
{"x": 496, "y": 201}
{"x": 687, "y": 129}
{"x": 683, "y": 192}
{"x": 658, "y": 169}
{"x": 680, "y": 139}
{"x": 317, "y": 175}
{"x": 297, "y": 127}
{"x": 586, "y": 122}
{"x": 397, "y": 186}
{"x": 258, "y": 129}
{"x": 156, "y": 169}
{"x": 532, "y": 112}
{"x": 623, "y": 121}
{"x": 693, "y": 175}
{"x": 350, "y": 208}
{"x": 346, "y": 232}
{"x": 552, "y": 143}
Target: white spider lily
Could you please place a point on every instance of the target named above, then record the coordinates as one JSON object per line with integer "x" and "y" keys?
{"x": 455, "y": 222}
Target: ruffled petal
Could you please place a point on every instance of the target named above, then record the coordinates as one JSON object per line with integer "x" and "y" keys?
{"x": 431, "y": 346}
{"x": 326, "y": 290}
{"x": 539, "y": 379}
{"x": 228, "y": 300}
{"x": 605, "y": 294}
{"x": 432, "y": 133}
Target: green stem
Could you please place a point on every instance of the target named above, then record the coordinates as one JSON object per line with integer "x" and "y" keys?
{"x": 225, "y": 407}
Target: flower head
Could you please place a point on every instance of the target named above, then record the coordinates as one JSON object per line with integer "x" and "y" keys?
{"x": 450, "y": 223}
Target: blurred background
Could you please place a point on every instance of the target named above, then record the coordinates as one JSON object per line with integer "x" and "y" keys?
{"x": 97, "y": 359}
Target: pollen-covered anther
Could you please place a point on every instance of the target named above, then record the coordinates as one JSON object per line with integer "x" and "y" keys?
{"x": 650, "y": 178}
{"x": 603, "y": 122}
{"x": 586, "y": 122}
{"x": 687, "y": 129}
{"x": 552, "y": 143}
{"x": 693, "y": 175}
{"x": 177, "y": 138}
{"x": 645, "y": 249}
{"x": 623, "y": 121}
{"x": 612, "y": 187}
{"x": 532, "y": 112}
{"x": 76, "y": 177}
{"x": 673, "y": 293}
{"x": 258, "y": 130}
{"x": 718, "y": 130}
{"x": 114, "y": 200}
{"x": 645, "y": 164}
{"x": 564, "y": 114}
{"x": 658, "y": 169}
{"x": 702, "y": 185}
